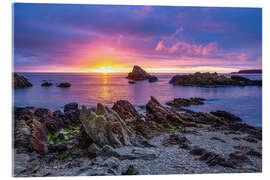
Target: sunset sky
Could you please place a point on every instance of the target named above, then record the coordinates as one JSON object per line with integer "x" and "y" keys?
{"x": 96, "y": 38}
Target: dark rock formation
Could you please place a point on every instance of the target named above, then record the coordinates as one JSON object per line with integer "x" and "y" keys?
{"x": 135, "y": 120}
{"x": 179, "y": 102}
{"x": 46, "y": 84}
{"x": 211, "y": 80}
{"x": 131, "y": 82}
{"x": 250, "y": 71}
{"x": 239, "y": 78}
{"x": 20, "y": 81}
{"x": 138, "y": 74}
{"x": 105, "y": 127}
{"x": 164, "y": 116}
{"x": 64, "y": 85}
{"x": 29, "y": 133}
{"x": 226, "y": 116}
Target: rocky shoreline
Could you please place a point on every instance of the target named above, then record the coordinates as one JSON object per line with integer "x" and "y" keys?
{"x": 121, "y": 141}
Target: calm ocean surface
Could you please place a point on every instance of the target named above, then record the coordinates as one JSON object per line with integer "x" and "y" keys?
{"x": 89, "y": 89}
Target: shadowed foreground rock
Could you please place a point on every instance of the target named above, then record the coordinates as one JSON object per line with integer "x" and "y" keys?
{"x": 20, "y": 81}
{"x": 105, "y": 127}
{"x": 138, "y": 74}
{"x": 212, "y": 80}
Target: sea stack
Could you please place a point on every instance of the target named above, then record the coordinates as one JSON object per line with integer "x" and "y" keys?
{"x": 138, "y": 74}
{"x": 20, "y": 81}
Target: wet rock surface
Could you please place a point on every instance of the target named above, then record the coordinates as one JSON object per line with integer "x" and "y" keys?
{"x": 20, "y": 81}
{"x": 212, "y": 80}
{"x": 108, "y": 141}
{"x": 138, "y": 74}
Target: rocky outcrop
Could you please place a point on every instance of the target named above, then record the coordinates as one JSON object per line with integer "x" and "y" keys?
{"x": 64, "y": 85}
{"x": 226, "y": 116}
{"x": 249, "y": 71}
{"x": 211, "y": 80}
{"x": 162, "y": 115}
{"x": 138, "y": 74}
{"x": 136, "y": 121}
{"x": 20, "y": 81}
{"x": 29, "y": 133}
{"x": 105, "y": 127}
{"x": 180, "y": 102}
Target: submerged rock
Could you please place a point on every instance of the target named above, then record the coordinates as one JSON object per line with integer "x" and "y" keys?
{"x": 138, "y": 74}
{"x": 131, "y": 82}
{"x": 64, "y": 85}
{"x": 105, "y": 127}
{"x": 20, "y": 81}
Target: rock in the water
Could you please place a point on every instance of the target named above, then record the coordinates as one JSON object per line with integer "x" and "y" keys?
{"x": 210, "y": 80}
{"x": 105, "y": 127}
{"x": 46, "y": 84}
{"x": 20, "y": 81}
{"x": 131, "y": 82}
{"x": 239, "y": 78}
{"x": 138, "y": 74}
{"x": 64, "y": 85}
{"x": 228, "y": 117}
{"x": 179, "y": 102}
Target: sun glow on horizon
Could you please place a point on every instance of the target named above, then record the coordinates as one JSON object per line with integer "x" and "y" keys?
{"x": 104, "y": 70}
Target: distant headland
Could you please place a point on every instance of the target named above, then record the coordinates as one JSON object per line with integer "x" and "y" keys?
{"x": 249, "y": 71}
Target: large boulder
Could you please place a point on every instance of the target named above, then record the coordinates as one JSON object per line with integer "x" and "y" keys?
{"x": 138, "y": 74}
{"x": 20, "y": 81}
{"x": 29, "y": 133}
{"x": 105, "y": 127}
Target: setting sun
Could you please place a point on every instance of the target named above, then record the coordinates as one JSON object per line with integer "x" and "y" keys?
{"x": 104, "y": 70}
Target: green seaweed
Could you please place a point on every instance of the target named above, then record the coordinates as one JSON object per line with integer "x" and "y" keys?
{"x": 64, "y": 156}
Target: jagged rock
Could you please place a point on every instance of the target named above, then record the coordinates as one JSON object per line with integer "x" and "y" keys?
{"x": 126, "y": 111}
{"x": 138, "y": 74}
{"x": 228, "y": 117}
{"x": 179, "y": 102}
{"x": 64, "y": 85}
{"x": 46, "y": 84}
{"x": 105, "y": 127}
{"x": 135, "y": 120}
{"x": 112, "y": 162}
{"x": 20, "y": 81}
{"x": 29, "y": 133}
{"x": 209, "y": 80}
{"x": 156, "y": 112}
{"x": 43, "y": 114}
